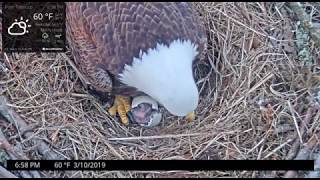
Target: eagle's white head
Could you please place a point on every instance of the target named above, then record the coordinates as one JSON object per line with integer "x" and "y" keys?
{"x": 165, "y": 74}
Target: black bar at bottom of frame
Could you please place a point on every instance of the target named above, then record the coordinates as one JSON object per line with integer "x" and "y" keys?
{"x": 149, "y": 165}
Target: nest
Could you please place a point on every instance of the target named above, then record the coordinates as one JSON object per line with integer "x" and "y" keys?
{"x": 255, "y": 94}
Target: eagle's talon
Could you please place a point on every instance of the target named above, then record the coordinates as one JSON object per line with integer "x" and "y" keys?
{"x": 121, "y": 106}
{"x": 125, "y": 101}
{"x": 113, "y": 110}
{"x": 190, "y": 117}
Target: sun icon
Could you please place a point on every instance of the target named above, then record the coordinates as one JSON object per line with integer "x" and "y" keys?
{"x": 22, "y": 24}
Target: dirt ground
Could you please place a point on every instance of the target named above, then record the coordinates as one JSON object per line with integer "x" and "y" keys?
{"x": 260, "y": 95}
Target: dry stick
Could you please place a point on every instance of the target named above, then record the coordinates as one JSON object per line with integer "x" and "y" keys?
{"x": 303, "y": 154}
{"x": 3, "y": 68}
{"x": 4, "y": 173}
{"x": 295, "y": 122}
{"x": 265, "y": 79}
{"x": 278, "y": 148}
{"x": 16, "y": 154}
{"x": 156, "y": 137}
{"x": 4, "y": 144}
{"x": 295, "y": 147}
{"x": 14, "y": 118}
{"x": 316, "y": 172}
{"x": 293, "y": 150}
{"x": 250, "y": 28}
{"x": 306, "y": 24}
{"x": 84, "y": 80}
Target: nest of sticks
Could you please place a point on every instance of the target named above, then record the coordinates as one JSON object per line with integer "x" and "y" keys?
{"x": 260, "y": 98}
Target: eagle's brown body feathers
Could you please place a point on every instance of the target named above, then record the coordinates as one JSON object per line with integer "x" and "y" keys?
{"x": 105, "y": 36}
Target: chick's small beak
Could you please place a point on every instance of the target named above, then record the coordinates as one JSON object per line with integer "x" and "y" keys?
{"x": 190, "y": 117}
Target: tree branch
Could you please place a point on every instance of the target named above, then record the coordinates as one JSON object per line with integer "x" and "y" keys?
{"x": 22, "y": 126}
{"x": 4, "y": 173}
{"x": 306, "y": 24}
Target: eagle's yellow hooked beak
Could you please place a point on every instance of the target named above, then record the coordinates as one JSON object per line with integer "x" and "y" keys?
{"x": 190, "y": 117}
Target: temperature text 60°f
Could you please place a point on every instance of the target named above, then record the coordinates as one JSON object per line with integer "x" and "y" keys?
{"x": 62, "y": 165}
{"x": 40, "y": 16}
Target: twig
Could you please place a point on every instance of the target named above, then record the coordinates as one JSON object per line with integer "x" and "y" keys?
{"x": 283, "y": 129}
{"x": 3, "y": 68}
{"x": 250, "y": 28}
{"x": 16, "y": 153}
{"x": 295, "y": 147}
{"x": 306, "y": 24}
{"x": 14, "y": 118}
{"x": 293, "y": 150}
{"x": 303, "y": 154}
{"x": 156, "y": 137}
{"x": 295, "y": 122}
{"x": 278, "y": 148}
{"x": 265, "y": 79}
{"x": 4, "y": 173}
{"x": 82, "y": 78}
{"x": 316, "y": 172}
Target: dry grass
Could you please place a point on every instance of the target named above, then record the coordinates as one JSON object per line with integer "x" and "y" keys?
{"x": 254, "y": 96}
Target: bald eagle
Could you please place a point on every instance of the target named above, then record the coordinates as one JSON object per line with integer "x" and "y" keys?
{"x": 141, "y": 52}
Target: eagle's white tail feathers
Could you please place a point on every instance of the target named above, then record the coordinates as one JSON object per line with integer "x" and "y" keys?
{"x": 165, "y": 74}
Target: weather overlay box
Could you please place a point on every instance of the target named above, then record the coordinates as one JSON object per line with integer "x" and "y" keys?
{"x": 33, "y": 26}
